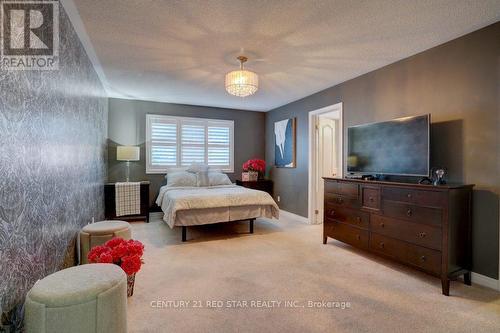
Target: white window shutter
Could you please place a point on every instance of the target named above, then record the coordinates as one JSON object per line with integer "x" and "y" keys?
{"x": 193, "y": 143}
{"x": 161, "y": 143}
{"x": 219, "y": 145}
{"x": 181, "y": 141}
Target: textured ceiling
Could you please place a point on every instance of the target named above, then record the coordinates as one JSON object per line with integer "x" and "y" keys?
{"x": 179, "y": 51}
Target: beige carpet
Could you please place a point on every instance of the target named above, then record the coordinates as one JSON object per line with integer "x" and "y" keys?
{"x": 286, "y": 260}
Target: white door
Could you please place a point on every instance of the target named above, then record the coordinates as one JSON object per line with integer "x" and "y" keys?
{"x": 327, "y": 157}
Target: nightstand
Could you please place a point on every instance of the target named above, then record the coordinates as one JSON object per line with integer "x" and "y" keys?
{"x": 110, "y": 205}
{"x": 265, "y": 185}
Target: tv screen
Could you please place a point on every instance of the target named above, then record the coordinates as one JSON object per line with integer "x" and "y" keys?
{"x": 395, "y": 147}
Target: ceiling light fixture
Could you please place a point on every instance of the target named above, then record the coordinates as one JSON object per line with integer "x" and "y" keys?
{"x": 242, "y": 83}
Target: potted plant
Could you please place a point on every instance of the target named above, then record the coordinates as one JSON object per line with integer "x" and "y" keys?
{"x": 253, "y": 169}
{"x": 125, "y": 253}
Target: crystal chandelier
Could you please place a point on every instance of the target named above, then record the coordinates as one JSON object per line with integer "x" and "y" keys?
{"x": 242, "y": 83}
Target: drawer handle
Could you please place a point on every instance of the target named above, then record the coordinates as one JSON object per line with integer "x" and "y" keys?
{"x": 381, "y": 245}
{"x": 422, "y": 258}
{"x": 358, "y": 219}
{"x": 422, "y": 234}
{"x": 339, "y": 200}
{"x": 409, "y": 212}
{"x": 332, "y": 212}
{"x": 382, "y": 224}
{"x": 358, "y": 237}
{"x": 409, "y": 195}
{"x": 370, "y": 199}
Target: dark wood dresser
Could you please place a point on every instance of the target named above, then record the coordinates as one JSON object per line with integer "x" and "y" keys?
{"x": 110, "y": 203}
{"x": 424, "y": 226}
{"x": 265, "y": 185}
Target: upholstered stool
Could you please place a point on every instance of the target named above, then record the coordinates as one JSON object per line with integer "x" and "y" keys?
{"x": 99, "y": 233}
{"x": 82, "y": 299}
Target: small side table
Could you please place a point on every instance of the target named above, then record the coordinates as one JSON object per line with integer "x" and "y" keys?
{"x": 265, "y": 185}
{"x": 110, "y": 204}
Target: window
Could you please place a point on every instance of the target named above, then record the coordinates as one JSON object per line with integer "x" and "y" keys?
{"x": 181, "y": 141}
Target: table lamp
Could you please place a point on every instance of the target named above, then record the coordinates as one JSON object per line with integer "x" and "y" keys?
{"x": 127, "y": 153}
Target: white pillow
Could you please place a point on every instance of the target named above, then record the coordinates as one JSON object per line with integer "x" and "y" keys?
{"x": 181, "y": 178}
{"x": 197, "y": 167}
{"x": 218, "y": 178}
{"x": 202, "y": 179}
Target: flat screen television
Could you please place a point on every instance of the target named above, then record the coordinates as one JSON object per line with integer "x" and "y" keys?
{"x": 395, "y": 147}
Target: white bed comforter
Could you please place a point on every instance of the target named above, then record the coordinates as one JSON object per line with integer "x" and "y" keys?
{"x": 173, "y": 199}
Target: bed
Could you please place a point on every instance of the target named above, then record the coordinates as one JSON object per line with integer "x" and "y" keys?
{"x": 197, "y": 205}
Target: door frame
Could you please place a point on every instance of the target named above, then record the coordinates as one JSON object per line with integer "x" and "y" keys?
{"x": 313, "y": 115}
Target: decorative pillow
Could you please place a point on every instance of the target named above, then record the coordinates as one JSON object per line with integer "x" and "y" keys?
{"x": 218, "y": 178}
{"x": 202, "y": 179}
{"x": 197, "y": 167}
{"x": 181, "y": 178}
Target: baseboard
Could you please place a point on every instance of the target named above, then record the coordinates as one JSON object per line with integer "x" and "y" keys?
{"x": 294, "y": 216}
{"x": 485, "y": 281}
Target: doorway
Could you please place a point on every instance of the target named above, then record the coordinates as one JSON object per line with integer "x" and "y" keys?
{"x": 325, "y": 155}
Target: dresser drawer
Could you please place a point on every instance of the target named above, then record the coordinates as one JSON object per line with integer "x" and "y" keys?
{"x": 347, "y": 215}
{"x": 417, "y": 197}
{"x": 371, "y": 197}
{"x": 336, "y": 187}
{"x": 421, "y": 257}
{"x": 343, "y": 201}
{"x": 347, "y": 234}
{"x": 412, "y": 213}
{"x": 419, "y": 234}
{"x": 427, "y": 259}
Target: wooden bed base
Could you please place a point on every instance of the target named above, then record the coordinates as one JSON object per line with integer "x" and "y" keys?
{"x": 184, "y": 228}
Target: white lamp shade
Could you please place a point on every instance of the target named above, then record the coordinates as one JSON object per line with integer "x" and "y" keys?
{"x": 127, "y": 153}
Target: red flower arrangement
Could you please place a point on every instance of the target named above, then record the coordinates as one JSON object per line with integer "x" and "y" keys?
{"x": 255, "y": 165}
{"x": 125, "y": 253}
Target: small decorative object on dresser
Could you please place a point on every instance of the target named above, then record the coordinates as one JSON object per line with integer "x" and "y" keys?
{"x": 125, "y": 253}
{"x": 427, "y": 227}
{"x": 110, "y": 202}
{"x": 439, "y": 173}
{"x": 265, "y": 185}
{"x": 253, "y": 170}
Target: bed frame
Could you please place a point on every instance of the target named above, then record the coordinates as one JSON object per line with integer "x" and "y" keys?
{"x": 184, "y": 228}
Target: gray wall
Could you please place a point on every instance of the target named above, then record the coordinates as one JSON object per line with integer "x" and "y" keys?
{"x": 458, "y": 83}
{"x": 53, "y": 145}
{"x": 127, "y": 126}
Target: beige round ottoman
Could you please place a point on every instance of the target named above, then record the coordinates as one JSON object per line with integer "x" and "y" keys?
{"x": 99, "y": 233}
{"x": 80, "y": 299}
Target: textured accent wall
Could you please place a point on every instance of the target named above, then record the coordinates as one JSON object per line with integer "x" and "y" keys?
{"x": 458, "y": 84}
{"x": 127, "y": 126}
{"x": 53, "y": 129}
